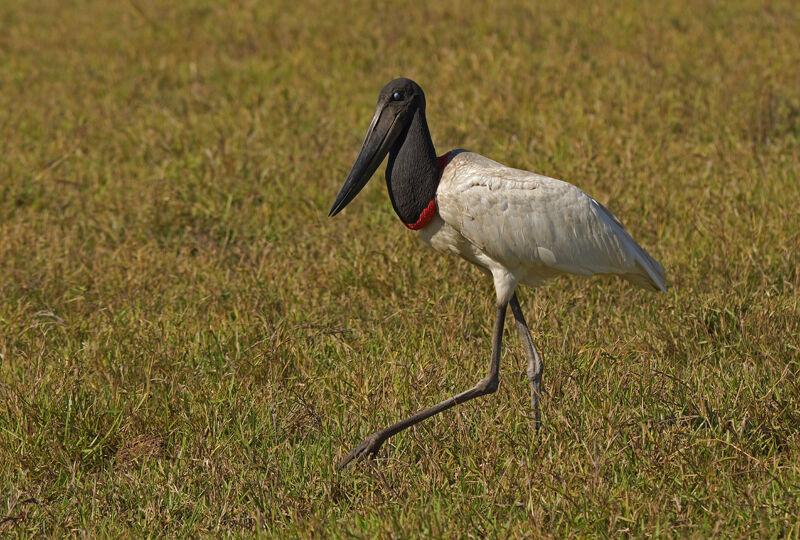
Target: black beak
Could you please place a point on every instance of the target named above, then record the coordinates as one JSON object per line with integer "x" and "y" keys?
{"x": 386, "y": 125}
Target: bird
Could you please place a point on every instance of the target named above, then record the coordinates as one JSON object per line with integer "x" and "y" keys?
{"x": 516, "y": 226}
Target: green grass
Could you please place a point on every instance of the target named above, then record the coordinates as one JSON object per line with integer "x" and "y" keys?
{"x": 188, "y": 344}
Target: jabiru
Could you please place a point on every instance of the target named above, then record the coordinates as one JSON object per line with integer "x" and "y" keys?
{"x": 515, "y": 226}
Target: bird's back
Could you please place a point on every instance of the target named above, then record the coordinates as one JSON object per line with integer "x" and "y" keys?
{"x": 537, "y": 227}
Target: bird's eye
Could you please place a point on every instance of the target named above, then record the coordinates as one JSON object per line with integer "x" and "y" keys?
{"x": 396, "y": 96}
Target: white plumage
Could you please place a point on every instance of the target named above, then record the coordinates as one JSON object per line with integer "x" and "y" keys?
{"x": 523, "y": 227}
{"x": 516, "y": 226}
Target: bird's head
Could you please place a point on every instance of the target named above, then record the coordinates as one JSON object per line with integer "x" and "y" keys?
{"x": 398, "y": 101}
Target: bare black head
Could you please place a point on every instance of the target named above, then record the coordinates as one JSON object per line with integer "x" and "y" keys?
{"x": 399, "y": 102}
{"x": 403, "y": 93}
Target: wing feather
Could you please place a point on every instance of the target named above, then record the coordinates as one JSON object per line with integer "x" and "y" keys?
{"x": 539, "y": 226}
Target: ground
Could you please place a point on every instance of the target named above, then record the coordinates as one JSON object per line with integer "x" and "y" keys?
{"x": 188, "y": 344}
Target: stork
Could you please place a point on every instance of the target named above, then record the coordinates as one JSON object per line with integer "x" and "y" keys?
{"x": 516, "y": 226}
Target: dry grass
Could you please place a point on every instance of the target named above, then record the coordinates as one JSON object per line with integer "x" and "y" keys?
{"x": 187, "y": 343}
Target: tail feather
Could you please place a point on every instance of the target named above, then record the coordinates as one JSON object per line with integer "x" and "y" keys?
{"x": 651, "y": 277}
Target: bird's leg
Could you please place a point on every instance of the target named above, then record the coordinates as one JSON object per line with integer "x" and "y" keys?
{"x": 487, "y": 385}
{"x": 535, "y": 364}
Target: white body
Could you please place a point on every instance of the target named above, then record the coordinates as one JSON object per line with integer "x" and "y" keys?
{"x": 522, "y": 227}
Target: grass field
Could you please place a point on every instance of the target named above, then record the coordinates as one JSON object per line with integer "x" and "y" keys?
{"x": 188, "y": 344}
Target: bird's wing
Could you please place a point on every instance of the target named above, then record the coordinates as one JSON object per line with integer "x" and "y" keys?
{"x": 527, "y": 221}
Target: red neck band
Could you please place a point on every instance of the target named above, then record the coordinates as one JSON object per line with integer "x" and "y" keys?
{"x": 427, "y": 215}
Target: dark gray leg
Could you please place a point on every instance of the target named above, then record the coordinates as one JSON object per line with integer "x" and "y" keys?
{"x": 487, "y": 385}
{"x": 535, "y": 364}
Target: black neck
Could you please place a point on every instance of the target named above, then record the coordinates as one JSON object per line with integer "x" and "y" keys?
{"x": 412, "y": 175}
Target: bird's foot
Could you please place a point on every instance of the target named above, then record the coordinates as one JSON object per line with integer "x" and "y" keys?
{"x": 537, "y": 420}
{"x": 368, "y": 447}
{"x": 537, "y": 415}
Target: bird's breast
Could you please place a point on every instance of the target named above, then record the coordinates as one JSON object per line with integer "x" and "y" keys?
{"x": 446, "y": 239}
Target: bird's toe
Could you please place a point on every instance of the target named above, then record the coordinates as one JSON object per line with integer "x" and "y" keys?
{"x": 368, "y": 447}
